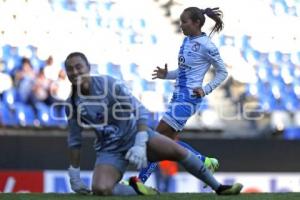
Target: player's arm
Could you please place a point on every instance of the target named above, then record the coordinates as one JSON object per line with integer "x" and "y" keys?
{"x": 74, "y": 142}
{"x": 171, "y": 75}
{"x": 74, "y": 145}
{"x": 74, "y": 156}
{"x": 213, "y": 56}
{"x": 137, "y": 153}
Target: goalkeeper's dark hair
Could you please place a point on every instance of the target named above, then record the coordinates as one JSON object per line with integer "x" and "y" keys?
{"x": 199, "y": 14}
{"x": 74, "y": 54}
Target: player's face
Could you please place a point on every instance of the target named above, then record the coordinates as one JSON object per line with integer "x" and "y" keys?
{"x": 188, "y": 27}
{"x": 76, "y": 67}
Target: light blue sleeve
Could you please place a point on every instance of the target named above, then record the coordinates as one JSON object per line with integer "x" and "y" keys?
{"x": 124, "y": 96}
{"x": 74, "y": 129}
{"x": 171, "y": 75}
{"x": 214, "y": 58}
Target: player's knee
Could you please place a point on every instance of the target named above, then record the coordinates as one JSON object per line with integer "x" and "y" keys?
{"x": 103, "y": 190}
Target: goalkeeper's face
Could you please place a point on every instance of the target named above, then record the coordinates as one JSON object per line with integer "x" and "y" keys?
{"x": 77, "y": 69}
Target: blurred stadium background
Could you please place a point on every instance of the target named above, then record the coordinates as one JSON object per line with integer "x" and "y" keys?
{"x": 251, "y": 123}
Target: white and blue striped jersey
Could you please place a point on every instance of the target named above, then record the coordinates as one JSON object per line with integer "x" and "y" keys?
{"x": 196, "y": 55}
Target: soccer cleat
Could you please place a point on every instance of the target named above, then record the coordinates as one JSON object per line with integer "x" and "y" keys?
{"x": 234, "y": 189}
{"x": 140, "y": 188}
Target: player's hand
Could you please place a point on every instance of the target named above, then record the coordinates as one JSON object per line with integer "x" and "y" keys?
{"x": 198, "y": 92}
{"x": 160, "y": 72}
{"x": 77, "y": 184}
{"x": 137, "y": 154}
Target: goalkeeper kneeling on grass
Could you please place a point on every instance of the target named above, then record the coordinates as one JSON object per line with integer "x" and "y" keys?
{"x": 122, "y": 136}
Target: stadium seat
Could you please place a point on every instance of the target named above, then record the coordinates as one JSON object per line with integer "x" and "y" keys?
{"x": 57, "y": 117}
{"x": 153, "y": 39}
{"x": 24, "y": 114}
{"x": 275, "y": 57}
{"x": 204, "y": 105}
{"x": 125, "y": 30}
{"x": 108, "y": 5}
{"x": 295, "y": 57}
{"x": 10, "y": 97}
{"x": 290, "y": 102}
{"x": 287, "y": 73}
{"x": 147, "y": 85}
{"x": 143, "y": 23}
{"x": 10, "y": 66}
{"x": 134, "y": 69}
{"x": 245, "y": 42}
{"x": 37, "y": 64}
{"x": 280, "y": 3}
{"x": 43, "y": 114}
{"x": 114, "y": 70}
{"x": 6, "y": 51}
{"x": 268, "y": 103}
{"x": 8, "y": 116}
{"x": 120, "y": 22}
{"x": 291, "y": 133}
{"x": 221, "y": 40}
{"x": 258, "y": 88}
{"x": 168, "y": 88}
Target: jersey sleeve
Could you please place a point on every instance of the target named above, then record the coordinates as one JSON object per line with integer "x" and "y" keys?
{"x": 214, "y": 58}
{"x": 74, "y": 129}
{"x": 171, "y": 75}
{"x": 124, "y": 96}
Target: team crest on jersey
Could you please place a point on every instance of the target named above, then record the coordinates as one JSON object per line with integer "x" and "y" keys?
{"x": 196, "y": 47}
{"x": 213, "y": 52}
{"x": 181, "y": 60}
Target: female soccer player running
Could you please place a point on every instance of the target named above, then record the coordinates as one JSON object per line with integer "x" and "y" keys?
{"x": 197, "y": 53}
{"x": 122, "y": 136}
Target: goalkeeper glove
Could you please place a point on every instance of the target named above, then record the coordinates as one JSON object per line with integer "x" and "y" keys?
{"x": 137, "y": 154}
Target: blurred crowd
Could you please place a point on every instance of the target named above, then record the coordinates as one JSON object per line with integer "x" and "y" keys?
{"x": 260, "y": 50}
{"x": 30, "y": 88}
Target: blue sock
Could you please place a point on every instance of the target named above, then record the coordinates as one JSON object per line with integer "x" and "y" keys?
{"x": 145, "y": 173}
{"x": 185, "y": 145}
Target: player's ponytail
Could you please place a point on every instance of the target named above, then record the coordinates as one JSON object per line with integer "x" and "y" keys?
{"x": 216, "y": 15}
{"x": 213, "y": 13}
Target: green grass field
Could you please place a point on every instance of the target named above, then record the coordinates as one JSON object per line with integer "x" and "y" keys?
{"x": 190, "y": 196}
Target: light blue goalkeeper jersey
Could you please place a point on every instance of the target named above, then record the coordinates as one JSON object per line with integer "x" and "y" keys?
{"x": 110, "y": 110}
{"x": 195, "y": 57}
